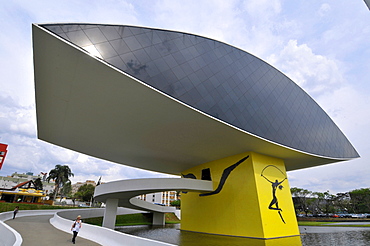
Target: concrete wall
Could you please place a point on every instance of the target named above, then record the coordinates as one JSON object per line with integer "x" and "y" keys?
{"x": 178, "y": 213}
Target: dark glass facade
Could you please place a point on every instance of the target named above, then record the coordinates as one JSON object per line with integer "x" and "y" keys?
{"x": 217, "y": 79}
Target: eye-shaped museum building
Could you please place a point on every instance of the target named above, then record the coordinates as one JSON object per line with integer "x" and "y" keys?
{"x": 187, "y": 105}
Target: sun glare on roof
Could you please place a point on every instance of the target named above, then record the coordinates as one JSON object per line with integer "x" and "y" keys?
{"x": 93, "y": 51}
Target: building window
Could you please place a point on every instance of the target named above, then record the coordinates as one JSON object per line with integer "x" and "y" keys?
{"x": 206, "y": 174}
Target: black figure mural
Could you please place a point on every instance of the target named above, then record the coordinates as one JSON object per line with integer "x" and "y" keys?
{"x": 274, "y": 204}
{"x": 224, "y": 176}
{"x": 206, "y": 175}
{"x": 189, "y": 176}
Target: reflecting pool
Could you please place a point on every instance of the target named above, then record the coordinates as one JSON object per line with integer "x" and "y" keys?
{"x": 311, "y": 235}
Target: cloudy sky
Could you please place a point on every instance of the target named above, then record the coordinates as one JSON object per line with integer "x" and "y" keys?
{"x": 324, "y": 46}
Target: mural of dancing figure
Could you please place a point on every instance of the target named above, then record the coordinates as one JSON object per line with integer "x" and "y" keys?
{"x": 274, "y": 204}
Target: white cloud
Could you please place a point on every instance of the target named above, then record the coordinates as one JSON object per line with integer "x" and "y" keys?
{"x": 338, "y": 177}
{"x": 348, "y": 106}
{"x": 198, "y": 17}
{"x": 315, "y": 73}
{"x": 324, "y": 78}
{"x": 324, "y": 9}
{"x": 262, "y": 9}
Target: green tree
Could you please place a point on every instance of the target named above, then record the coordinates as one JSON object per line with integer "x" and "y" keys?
{"x": 342, "y": 202}
{"x": 60, "y": 174}
{"x": 360, "y": 200}
{"x": 85, "y": 192}
{"x": 176, "y": 203}
{"x": 301, "y": 199}
{"x": 38, "y": 184}
{"x": 324, "y": 202}
{"x": 66, "y": 189}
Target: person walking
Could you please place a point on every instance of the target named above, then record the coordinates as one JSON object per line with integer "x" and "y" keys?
{"x": 16, "y": 210}
{"x": 76, "y": 226}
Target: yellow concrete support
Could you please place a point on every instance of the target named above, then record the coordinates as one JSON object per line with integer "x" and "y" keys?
{"x": 251, "y": 198}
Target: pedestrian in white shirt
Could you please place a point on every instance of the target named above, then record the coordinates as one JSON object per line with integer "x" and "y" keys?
{"x": 76, "y": 226}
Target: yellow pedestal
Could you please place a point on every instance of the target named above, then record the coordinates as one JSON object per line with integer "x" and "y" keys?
{"x": 251, "y": 198}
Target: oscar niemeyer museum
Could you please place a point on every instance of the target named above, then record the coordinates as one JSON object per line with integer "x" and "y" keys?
{"x": 187, "y": 105}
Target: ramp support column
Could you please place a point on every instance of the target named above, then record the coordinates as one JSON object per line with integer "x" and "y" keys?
{"x": 110, "y": 213}
{"x": 159, "y": 218}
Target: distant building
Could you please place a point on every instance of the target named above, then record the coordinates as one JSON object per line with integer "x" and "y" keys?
{"x": 163, "y": 198}
{"x": 9, "y": 182}
{"x": 25, "y": 192}
{"x": 76, "y": 186}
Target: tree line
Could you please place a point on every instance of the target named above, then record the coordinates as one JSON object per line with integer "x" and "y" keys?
{"x": 323, "y": 203}
{"x": 305, "y": 201}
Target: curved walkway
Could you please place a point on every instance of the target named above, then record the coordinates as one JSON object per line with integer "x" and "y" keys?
{"x": 37, "y": 231}
{"x": 52, "y": 227}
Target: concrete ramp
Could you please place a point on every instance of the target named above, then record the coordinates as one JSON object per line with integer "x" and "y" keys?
{"x": 127, "y": 190}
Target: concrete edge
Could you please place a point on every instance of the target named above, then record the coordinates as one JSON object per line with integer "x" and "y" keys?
{"x": 9, "y": 236}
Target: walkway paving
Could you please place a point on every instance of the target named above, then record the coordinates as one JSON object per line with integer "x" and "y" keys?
{"x": 37, "y": 231}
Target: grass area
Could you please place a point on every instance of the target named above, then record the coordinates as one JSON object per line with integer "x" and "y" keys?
{"x": 121, "y": 220}
{"x": 317, "y": 223}
{"x": 171, "y": 218}
{"x": 333, "y": 224}
{"x": 134, "y": 219}
{"x": 313, "y": 223}
{"x": 4, "y": 206}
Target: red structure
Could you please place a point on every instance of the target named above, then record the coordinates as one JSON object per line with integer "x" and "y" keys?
{"x": 3, "y": 152}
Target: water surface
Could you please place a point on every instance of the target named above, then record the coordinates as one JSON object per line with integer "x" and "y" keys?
{"x": 310, "y": 235}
